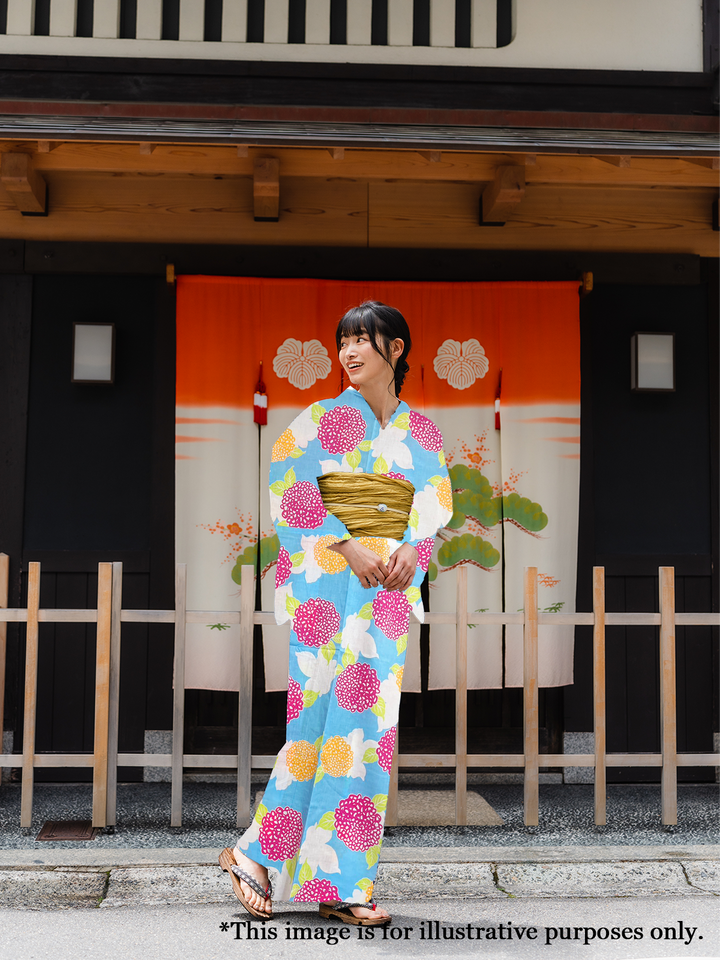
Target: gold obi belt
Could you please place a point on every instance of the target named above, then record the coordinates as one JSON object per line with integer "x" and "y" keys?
{"x": 368, "y": 505}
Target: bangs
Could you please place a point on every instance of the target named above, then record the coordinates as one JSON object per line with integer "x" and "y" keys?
{"x": 361, "y": 319}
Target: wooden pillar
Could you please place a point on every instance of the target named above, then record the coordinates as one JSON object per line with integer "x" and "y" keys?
{"x": 530, "y": 697}
{"x": 599, "y": 694}
{"x": 30, "y": 705}
{"x": 461, "y": 728}
{"x": 114, "y": 710}
{"x": 247, "y": 625}
{"x": 102, "y": 694}
{"x": 4, "y": 585}
{"x": 178, "y": 739}
{"x": 668, "y": 705}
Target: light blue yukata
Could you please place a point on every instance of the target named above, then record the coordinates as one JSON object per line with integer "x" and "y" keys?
{"x": 319, "y": 827}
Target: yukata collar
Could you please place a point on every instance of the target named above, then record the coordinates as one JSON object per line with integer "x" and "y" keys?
{"x": 353, "y": 396}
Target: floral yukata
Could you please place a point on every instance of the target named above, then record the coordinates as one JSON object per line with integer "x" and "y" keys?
{"x": 320, "y": 823}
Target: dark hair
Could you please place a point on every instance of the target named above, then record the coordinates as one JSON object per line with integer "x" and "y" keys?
{"x": 381, "y": 323}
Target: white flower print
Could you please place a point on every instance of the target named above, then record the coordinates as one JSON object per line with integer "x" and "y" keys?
{"x": 281, "y": 595}
{"x": 302, "y": 362}
{"x": 320, "y": 673}
{"x": 461, "y": 364}
{"x": 309, "y": 566}
{"x": 356, "y": 637}
{"x": 317, "y": 852}
{"x": 358, "y": 745}
{"x": 430, "y": 513}
{"x": 250, "y": 835}
{"x": 304, "y": 428}
{"x": 391, "y": 695}
{"x": 389, "y": 445}
{"x": 280, "y": 772}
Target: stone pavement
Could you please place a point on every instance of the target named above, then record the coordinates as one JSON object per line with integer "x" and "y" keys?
{"x": 163, "y": 877}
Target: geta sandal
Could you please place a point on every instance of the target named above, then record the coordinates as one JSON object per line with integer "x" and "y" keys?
{"x": 229, "y": 865}
{"x": 341, "y": 911}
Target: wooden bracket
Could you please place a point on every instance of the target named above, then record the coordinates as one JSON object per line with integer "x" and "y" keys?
{"x": 337, "y": 153}
{"x": 170, "y": 273}
{"x": 243, "y": 150}
{"x": 24, "y": 184}
{"x": 530, "y": 159}
{"x": 432, "y": 156}
{"x": 501, "y": 197}
{"x": 146, "y": 149}
{"x": 615, "y": 161}
{"x": 586, "y": 283}
{"x": 712, "y": 163}
{"x": 47, "y": 146}
{"x": 266, "y": 189}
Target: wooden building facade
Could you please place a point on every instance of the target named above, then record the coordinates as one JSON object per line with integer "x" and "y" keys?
{"x": 436, "y": 140}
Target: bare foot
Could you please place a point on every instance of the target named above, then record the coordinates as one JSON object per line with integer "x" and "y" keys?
{"x": 257, "y": 872}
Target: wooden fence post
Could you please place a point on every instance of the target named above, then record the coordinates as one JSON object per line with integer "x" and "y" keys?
{"x": 461, "y": 728}
{"x": 102, "y": 694}
{"x": 530, "y": 696}
{"x": 247, "y": 630}
{"x": 178, "y": 738}
{"x": 668, "y": 705}
{"x": 4, "y": 590}
{"x": 30, "y": 706}
{"x": 599, "y": 720}
{"x": 114, "y": 710}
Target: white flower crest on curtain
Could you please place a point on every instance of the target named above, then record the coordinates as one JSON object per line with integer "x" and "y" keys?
{"x": 302, "y": 363}
{"x": 461, "y": 364}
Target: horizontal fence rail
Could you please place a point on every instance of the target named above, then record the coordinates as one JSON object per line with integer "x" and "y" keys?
{"x": 271, "y": 28}
{"x": 110, "y": 616}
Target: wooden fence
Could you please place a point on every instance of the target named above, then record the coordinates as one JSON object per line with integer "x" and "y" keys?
{"x": 110, "y": 616}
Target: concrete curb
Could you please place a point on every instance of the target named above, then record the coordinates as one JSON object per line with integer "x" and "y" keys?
{"x": 173, "y": 877}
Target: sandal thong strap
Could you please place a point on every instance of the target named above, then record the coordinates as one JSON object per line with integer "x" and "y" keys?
{"x": 370, "y": 904}
{"x": 252, "y": 882}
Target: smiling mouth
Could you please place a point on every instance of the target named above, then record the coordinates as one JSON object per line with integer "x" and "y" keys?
{"x": 354, "y": 366}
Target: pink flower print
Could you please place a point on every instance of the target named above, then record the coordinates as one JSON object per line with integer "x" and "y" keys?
{"x": 281, "y": 833}
{"x": 425, "y": 432}
{"x": 424, "y": 551}
{"x": 294, "y": 700}
{"x": 357, "y": 688}
{"x": 385, "y": 749}
{"x": 317, "y": 891}
{"x": 302, "y": 505}
{"x": 316, "y": 622}
{"x": 394, "y": 476}
{"x": 283, "y": 568}
{"x": 391, "y": 612}
{"x": 340, "y": 430}
{"x": 357, "y": 822}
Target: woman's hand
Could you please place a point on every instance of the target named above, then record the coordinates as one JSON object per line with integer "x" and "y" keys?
{"x": 401, "y": 567}
{"x": 365, "y": 564}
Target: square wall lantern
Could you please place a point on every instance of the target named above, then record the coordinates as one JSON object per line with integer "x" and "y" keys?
{"x": 652, "y": 362}
{"x": 93, "y": 353}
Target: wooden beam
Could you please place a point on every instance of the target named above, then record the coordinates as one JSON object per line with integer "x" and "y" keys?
{"x": 501, "y": 197}
{"x": 616, "y": 161}
{"x": 710, "y": 163}
{"x": 26, "y": 187}
{"x": 266, "y": 189}
{"x": 47, "y": 146}
{"x": 317, "y": 162}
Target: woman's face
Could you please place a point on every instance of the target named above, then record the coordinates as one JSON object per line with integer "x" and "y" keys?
{"x": 363, "y": 364}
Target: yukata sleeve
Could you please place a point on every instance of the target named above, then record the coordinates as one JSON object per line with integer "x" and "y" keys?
{"x": 296, "y": 507}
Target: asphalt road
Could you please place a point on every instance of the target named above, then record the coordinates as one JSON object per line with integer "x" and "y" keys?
{"x": 616, "y": 929}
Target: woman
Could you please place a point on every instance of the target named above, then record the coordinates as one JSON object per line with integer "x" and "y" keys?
{"x": 358, "y": 489}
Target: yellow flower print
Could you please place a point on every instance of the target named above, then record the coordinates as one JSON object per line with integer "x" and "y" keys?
{"x": 283, "y": 447}
{"x": 302, "y": 760}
